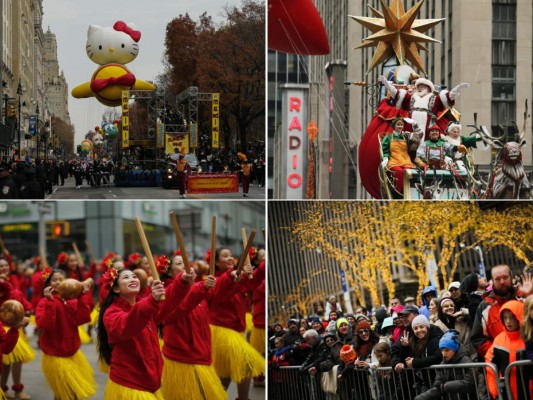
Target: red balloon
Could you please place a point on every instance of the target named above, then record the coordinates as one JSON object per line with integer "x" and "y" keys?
{"x": 295, "y": 26}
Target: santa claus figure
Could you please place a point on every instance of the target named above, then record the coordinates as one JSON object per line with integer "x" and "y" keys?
{"x": 423, "y": 105}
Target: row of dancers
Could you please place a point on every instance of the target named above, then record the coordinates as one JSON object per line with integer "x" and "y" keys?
{"x": 192, "y": 344}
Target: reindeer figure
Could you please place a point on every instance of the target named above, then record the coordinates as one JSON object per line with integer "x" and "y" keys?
{"x": 508, "y": 178}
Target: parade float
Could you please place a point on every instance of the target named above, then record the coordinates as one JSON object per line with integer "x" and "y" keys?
{"x": 399, "y": 157}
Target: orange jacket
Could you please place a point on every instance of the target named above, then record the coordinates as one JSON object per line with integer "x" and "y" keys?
{"x": 506, "y": 348}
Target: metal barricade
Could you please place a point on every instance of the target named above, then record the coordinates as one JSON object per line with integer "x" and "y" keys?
{"x": 522, "y": 380}
{"x": 406, "y": 385}
{"x": 287, "y": 383}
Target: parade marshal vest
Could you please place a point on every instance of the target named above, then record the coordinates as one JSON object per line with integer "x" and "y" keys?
{"x": 246, "y": 169}
{"x": 181, "y": 165}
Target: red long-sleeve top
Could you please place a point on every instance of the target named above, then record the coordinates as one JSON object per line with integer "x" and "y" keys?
{"x": 258, "y": 310}
{"x": 228, "y": 310}
{"x": 186, "y": 332}
{"x": 59, "y": 321}
{"x": 8, "y": 340}
{"x": 136, "y": 360}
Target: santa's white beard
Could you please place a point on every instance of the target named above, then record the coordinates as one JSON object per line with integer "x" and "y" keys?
{"x": 421, "y": 117}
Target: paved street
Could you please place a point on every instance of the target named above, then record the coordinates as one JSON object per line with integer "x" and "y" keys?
{"x": 111, "y": 192}
{"x": 37, "y": 387}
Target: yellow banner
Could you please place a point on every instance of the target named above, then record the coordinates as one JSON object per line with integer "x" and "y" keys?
{"x": 219, "y": 183}
{"x": 176, "y": 142}
{"x": 125, "y": 119}
{"x": 215, "y": 130}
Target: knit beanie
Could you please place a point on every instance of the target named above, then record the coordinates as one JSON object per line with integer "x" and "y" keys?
{"x": 362, "y": 325}
{"x": 450, "y": 340}
{"x": 469, "y": 283}
{"x": 347, "y": 354}
{"x": 420, "y": 320}
{"x": 342, "y": 321}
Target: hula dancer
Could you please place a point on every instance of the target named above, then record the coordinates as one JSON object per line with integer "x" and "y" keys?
{"x": 257, "y": 338}
{"x": 64, "y": 366}
{"x": 188, "y": 373}
{"x": 23, "y": 352}
{"x": 233, "y": 357}
{"x": 127, "y": 336}
{"x": 8, "y": 341}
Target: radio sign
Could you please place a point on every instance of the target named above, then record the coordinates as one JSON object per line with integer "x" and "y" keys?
{"x": 294, "y": 140}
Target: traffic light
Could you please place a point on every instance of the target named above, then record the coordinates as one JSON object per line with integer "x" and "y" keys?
{"x": 57, "y": 229}
{"x": 11, "y": 111}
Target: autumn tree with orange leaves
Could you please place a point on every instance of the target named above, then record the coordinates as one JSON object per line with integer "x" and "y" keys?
{"x": 226, "y": 58}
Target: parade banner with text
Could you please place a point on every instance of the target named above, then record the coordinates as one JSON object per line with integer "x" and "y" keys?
{"x": 125, "y": 119}
{"x": 215, "y": 129}
{"x": 217, "y": 183}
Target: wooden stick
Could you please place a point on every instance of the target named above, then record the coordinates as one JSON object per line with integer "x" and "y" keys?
{"x": 90, "y": 251}
{"x": 147, "y": 251}
{"x": 244, "y": 243}
{"x": 179, "y": 239}
{"x": 213, "y": 245}
{"x": 246, "y": 251}
{"x": 78, "y": 254}
{"x": 43, "y": 256}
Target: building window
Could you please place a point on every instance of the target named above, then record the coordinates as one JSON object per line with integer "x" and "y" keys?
{"x": 503, "y": 64}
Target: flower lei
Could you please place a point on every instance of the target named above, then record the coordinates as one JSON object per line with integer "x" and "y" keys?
{"x": 46, "y": 273}
{"x": 162, "y": 263}
{"x": 109, "y": 277}
{"x": 62, "y": 258}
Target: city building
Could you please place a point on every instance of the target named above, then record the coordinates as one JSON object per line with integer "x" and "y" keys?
{"x": 108, "y": 226}
{"x": 486, "y": 43}
{"x": 55, "y": 82}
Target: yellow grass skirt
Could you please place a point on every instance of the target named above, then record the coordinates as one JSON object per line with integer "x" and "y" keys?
{"x": 69, "y": 377}
{"x": 94, "y": 315}
{"x": 233, "y": 356}
{"x": 103, "y": 366}
{"x": 22, "y": 352}
{"x": 84, "y": 336}
{"x": 183, "y": 381}
{"x": 257, "y": 340}
{"x": 2, "y": 394}
{"x": 249, "y": 323}
{"x": 114, "y": 391}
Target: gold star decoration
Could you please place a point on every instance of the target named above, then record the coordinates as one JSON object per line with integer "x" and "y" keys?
{"x": 396, "y": 32}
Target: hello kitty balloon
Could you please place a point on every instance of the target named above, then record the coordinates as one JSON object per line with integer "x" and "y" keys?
{"x": 111, "y": 48}
{"x": 98, "y": 140}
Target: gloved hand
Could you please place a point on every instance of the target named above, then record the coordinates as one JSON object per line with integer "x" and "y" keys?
{"x": 410, "y": 121}
{"x": 462, "y": 149}
{"x": 457, "y": 90}
{"x": 392, "y": 90}
{"x": 384, "y": 162}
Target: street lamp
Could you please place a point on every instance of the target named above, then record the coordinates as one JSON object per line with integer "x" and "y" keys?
{"x": 19, "y": 93}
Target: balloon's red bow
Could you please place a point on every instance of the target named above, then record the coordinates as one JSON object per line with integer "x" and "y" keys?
{"x": 100, "y": 84}
{"x": 122, "y": 27}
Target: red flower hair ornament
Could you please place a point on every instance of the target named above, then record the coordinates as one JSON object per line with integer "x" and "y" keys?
{"x": 46, "y": 273}
{"x": 135, "y": 258}
{"x": 177, "y": 253}
{"x": 109, "y": 277}
{"x": 208, "y": 256}
{"x": 162, "y": 263}
{"x": 62, "y": 258}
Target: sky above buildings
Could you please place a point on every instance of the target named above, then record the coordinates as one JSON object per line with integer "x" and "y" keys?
{"x": 69, "y": 21}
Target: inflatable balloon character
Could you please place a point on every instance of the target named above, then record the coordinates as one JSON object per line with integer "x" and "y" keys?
{"x": 98, "y": 139}
{"x": 111, "y": 48}
{"x": 110, "y": 129}
{"x": 86, "y": 146}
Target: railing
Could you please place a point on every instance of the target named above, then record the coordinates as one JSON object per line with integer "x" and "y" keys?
{"x": 524, "y": 380}
{"x": 288, "y": 383}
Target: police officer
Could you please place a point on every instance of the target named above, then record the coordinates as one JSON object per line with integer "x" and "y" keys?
{"x": 8, "y": 187}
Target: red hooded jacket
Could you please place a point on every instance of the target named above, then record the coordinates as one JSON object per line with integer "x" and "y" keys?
{"x": 8, "y": 340}
{"x": 59, "y": 322}
{"x": 258, "y": 311}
